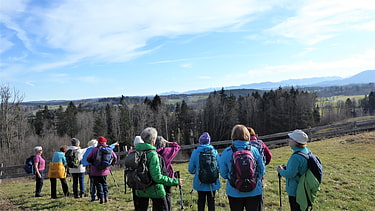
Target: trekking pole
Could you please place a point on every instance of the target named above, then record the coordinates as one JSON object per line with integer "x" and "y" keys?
{"x": 114, "y": 180}
{"x": 179, "y": 186}
{"x": 281, "y": 205}
{"x": 125, "y": 180}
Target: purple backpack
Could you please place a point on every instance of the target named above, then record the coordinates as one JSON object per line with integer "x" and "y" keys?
{"x": 243, "y": 173}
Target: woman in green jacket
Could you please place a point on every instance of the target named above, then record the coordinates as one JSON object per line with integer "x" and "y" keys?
{"x": 155, "y": 192}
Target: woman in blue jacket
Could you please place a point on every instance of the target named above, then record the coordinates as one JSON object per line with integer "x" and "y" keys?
{"x": 239, "y": 200}
{"x": 296, "y": 166}
{"x": 205, "y": 191}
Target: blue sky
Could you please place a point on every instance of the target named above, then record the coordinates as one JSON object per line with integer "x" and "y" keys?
{"x": 65, "y": 50}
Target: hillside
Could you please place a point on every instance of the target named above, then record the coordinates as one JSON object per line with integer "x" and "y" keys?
{"x": 342, "y": 158}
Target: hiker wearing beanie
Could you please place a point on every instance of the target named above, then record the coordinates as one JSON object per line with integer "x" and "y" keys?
{"x": 100, "y": 175}
{"x": 201, "y": 159}
{"x": 74, "y": 155}
{"x": 296, "y": 166}
{"x": 91, "y": 145}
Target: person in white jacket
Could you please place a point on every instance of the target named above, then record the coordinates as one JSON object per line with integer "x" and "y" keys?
{"x": 78, "y": 173}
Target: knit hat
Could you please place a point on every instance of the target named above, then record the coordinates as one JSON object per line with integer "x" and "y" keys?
{"x": 299, "y": 136}
{"x": 101, "y": 140}
{"x": 137, "y": 140}
{"x": 75, "y": 142}
{"x": 205, "y": 138}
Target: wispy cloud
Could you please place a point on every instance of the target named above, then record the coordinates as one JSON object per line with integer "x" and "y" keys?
{"x": 321, "y": 20}
{"x": 78, "y": 29}
{"x": 308, "y": 69}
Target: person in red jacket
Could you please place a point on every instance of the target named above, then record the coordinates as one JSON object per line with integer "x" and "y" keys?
{"x": 266, "y": 152}
{"x": 100, "y": 176}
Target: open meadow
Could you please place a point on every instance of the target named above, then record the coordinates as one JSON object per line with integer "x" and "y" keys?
{"x": 348, "y": 183}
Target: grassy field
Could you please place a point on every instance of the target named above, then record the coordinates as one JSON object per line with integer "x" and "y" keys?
{"x": 348, "y": 183}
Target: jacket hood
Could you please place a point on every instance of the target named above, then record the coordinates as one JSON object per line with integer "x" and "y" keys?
{"x": 144, "y": 146}
{"x": 240, "y": 145}
{"x": 204, "y": 147}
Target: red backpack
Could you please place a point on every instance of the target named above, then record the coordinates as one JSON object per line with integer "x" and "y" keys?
{"x": 243, "y": 173}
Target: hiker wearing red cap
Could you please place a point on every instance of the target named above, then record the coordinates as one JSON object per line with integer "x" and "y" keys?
{"x": 99, "y": 170}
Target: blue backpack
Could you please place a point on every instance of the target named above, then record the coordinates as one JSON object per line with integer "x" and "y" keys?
{"x": 313, "y": 163}
{"x": 103, "y": 158}
{"x": 29, "y": 165}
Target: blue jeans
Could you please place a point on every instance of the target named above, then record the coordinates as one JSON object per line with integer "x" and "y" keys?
{"x": 78, "y": 178}
{"x": 101, "y": 186}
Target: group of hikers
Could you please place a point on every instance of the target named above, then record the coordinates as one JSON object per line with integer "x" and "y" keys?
{"x": 150, "y": 174}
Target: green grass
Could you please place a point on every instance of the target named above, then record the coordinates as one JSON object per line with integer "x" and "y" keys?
{"x": 348, "y": 182}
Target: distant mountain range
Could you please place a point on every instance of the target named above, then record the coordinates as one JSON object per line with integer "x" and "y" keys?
{"x": 367, "y": 76}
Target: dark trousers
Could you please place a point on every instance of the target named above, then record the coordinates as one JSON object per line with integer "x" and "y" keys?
{"x": 64, "y": 186}
{"x": 294, "y": 206}
{"x": 101, "y": 186}
{"x": 159, "y": 204}
{"x": 168, "y": 197}
{"x": 202, "y": 197}
{"x": 92, "y": 187}
{"x": 78, "y": 179}
{"x": 39, "y": 183}
{"x": 254, "y": 203}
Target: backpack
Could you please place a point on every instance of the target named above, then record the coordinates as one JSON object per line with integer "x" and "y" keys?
{"x": 136, "y": 171}
{"x": 313, "y": 163}
{"x": 29, "y": 165}
{"x": 72, "y": 158}
{"x": 163, "y": 165}
{"x": 208, "y": 167}
{"x": 103, "y": 157}
{"x": 243, "y": 172}
{"x": 259, "y": 145}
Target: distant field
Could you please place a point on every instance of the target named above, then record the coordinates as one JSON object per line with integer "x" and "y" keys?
{"x": 348, "y": 182}
{"x": 333, "y": 99}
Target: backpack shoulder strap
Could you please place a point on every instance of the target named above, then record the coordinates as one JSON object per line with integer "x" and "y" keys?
{"x": 303, "y": 154}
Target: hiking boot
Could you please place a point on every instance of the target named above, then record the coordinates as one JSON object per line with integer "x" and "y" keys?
{"x": 38, "y": 195}
{"x": 101, "y": 201}
{"x": 106, "y": 199}
{"x": 92, "y": 199}
{"x": 76, "y": 196}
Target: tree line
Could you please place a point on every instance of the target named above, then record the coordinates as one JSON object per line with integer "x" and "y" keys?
{"x": 267, "y": 112}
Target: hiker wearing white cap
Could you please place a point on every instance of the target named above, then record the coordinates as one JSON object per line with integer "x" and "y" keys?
{"x": 296, "y": 166}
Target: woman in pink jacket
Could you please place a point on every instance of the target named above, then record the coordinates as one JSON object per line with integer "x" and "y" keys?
{"x": 100, "y": 176}
{"x": 168, "y": 151}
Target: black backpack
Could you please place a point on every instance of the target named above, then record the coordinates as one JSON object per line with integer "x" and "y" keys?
{"x": 313, "y": 163}
{"x": 103, "y": 158}
{"x": 29, "y": 165}
{"x": 72, "y": 159}
{"x": 136, "y": 171}
{"x": 208, "y": 167}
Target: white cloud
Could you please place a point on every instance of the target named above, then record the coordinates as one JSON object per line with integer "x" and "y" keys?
{"x": 5, "y": 44}
{"x": 204, "y": 77}
{"x": 306, "y": 69}
{"x": 321, "y": 20}
{"x": 186, "y": 65}
{"x": 80, "y": 28}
